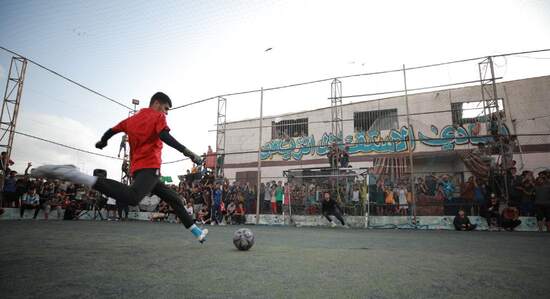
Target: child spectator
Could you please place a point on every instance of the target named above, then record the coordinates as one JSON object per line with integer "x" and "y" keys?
{"x": 462, "y": 222}
{"x": 239, "y": 214}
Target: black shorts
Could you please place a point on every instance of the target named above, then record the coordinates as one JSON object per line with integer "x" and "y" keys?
{"x": 10, "y": 196}
{"x": 542, "y": 212}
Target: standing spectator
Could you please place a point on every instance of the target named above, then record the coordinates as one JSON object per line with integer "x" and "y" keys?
{"x": 30, "y": 200}
{"x": 273, "y": 199}
{"x": 267, "y": 197}
{"x": 431, "y": 184}
{"x": 447, "y": 187}
{"x": 10, "y": 190}
{"x": 467, "y": 190}
{"x": 333, "y": 155}
{"x": 4, "y": 163}
{"x": 389, "y": 200}
{"x": 421, "y": 188}
{"x": 462, "y": 222}
{"x": 542, "y": 202}
{"x": 279, "y": 194}
{"x": 527, "y": 194}
{"x": 286, "y": 202}
{"x": 355, "y": 198}
{"x": 344, "y": 157}
{"x": 480, "y": 192}
{"x": 217, "y": 205}
{"x": 402, "y": 197}
{"x": 198, "y": 200}
{"x": 379, "y": 197}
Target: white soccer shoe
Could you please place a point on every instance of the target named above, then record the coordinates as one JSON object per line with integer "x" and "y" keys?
{"x": 202, "y": 237}
{"x": 345, "y": 226}
{"x": 332, "y": 224}
{"x": 64, "y": 172}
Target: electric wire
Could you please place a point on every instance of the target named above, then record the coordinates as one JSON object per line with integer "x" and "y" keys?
{"x": 67, "y": 78}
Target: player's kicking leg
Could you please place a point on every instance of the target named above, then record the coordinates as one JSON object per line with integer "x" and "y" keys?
{"x": 145, "y": 180}
{"x": 174, "y": 200}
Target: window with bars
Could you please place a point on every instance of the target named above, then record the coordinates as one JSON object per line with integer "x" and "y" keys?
{"x": 472, "y": 112}
{"x": 289, "y": 128}
{"x": 379, "y": 120}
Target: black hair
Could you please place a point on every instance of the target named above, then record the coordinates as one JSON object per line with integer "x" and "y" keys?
{"x": 162, "y": 98}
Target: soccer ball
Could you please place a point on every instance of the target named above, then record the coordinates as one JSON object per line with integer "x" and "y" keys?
{"x": 243, "y": 239}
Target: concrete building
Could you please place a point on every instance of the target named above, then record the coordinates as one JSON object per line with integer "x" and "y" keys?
{"x": 443, "y": 123}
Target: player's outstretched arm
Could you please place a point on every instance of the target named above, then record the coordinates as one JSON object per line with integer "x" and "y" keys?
{"x": 172, "y": 142}
{"x": 106, "y": 136}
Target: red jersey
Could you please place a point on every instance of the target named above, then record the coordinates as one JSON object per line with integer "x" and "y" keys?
{"x": 143, "y": 131}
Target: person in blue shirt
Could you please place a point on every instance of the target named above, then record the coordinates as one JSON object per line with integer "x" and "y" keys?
{"x": 216, "y": 204}
{"x": 10, "y": 189}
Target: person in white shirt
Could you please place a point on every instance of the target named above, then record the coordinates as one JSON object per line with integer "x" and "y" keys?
{"x": 30, "y": 200}
{"x": 189, "y": 209}
{"x": 402, "y": 197}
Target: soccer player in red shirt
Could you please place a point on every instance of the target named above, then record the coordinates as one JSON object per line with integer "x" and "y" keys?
{"x": 146, "y": 131}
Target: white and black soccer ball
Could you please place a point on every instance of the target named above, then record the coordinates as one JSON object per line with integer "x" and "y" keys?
{"x": 243, "y": 239}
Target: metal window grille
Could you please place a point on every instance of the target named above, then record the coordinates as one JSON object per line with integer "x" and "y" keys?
{"x": 385, "y": 119}
{"x": 289, "y": 128}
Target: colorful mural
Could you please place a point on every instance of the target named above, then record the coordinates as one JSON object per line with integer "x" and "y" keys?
{"x": 395, "y": 141}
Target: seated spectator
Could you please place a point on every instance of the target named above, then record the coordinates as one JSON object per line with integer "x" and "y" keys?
{"x": 491, "y": 213}
{"x": 462, "y": 222}
{"x": 162, "y": 214}
{"x": 189, "y": 209}
{"x": 55, "y": 202}
{"x": 30, "y": 200}
{"x": 230, "y": 211}
{"x": 510, "y": 218}
{"x": 111, "y": 209}
{"x": 203, "y": 216}
{"x": 542, "y": 202}
{"x": 239, "y": 215}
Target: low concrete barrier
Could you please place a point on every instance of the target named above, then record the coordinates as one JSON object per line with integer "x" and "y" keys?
{"x": 388, "y": 222}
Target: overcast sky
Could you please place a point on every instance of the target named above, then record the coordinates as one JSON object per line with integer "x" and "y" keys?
{"x": 197, "y": 49}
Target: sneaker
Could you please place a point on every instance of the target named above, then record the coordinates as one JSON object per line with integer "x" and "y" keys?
{"x": 64, "y": 172}
{"x": 202, "y": 237}
{"x": 332, "y": 224}
{"x": 345, "y": 226}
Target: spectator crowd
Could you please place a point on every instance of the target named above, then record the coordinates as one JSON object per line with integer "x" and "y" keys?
{"x": 217, "y": 201}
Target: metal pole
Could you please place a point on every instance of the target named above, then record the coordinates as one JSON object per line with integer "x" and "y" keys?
{"x": 499, "y": 125}
{"x": 409, "y": 139}
{"x": 259, "y": 157}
